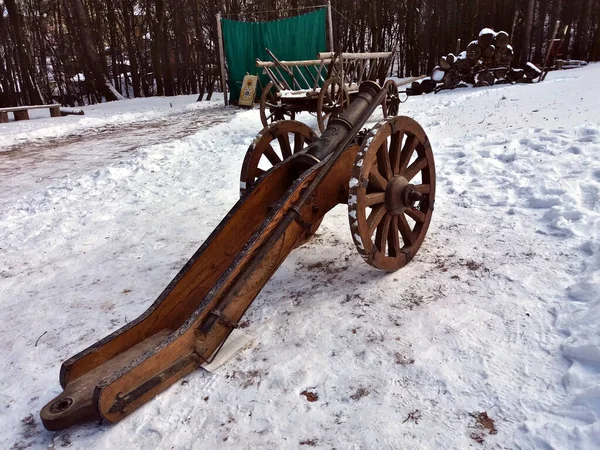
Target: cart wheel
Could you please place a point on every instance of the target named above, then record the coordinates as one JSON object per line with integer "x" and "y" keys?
{"x": 273, "y": 144}
{"x": 272, "y": 108}
{"x": 392, "y": 191}
{"x": 391, "y": 102}
{"x": 333, "y": 99}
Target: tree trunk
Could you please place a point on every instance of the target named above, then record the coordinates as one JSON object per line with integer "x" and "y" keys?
{"x": 157, "y": 52}
{"x": 127, "y": 10}
{"x": 32, "y": 94}
{"x": 540, "y": 33}
{"x": 583, "y": 31}
{"x": 527, "y": 31}
{"x": 90, "y": 55}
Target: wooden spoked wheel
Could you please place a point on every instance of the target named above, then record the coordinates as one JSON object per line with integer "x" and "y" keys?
{"x": 273, "y": 144}
{"x": 333, "y": 99}
{"x": 272, "y": 108}
{"x": 392, "y": 192}
{"x": 391, "y": 102}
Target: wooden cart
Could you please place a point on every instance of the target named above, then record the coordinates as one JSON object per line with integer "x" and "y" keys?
{"x": 324, "y": 86}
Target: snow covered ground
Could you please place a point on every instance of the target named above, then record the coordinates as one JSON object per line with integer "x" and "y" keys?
{"x": 497, "y": 314}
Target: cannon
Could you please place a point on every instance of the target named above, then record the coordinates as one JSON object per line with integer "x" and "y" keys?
{"x": 386, "y": 176}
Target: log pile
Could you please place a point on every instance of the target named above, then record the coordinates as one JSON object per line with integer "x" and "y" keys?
{"x": 485, "y": 62}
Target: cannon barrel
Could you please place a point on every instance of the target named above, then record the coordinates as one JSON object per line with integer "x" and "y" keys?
{"x": 344, "y": 127}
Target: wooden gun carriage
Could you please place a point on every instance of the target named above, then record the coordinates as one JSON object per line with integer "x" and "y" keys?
{"x": 324, "y": 86}
{"x": 386, "y": 176}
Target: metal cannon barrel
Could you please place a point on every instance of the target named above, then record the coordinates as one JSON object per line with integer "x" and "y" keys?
{"x": 346, "y": 126}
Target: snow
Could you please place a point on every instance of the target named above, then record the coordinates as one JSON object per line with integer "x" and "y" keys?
{"x": 301, "y": 93}
{"x": 438, "y": 75}
{"x": 497, "y": 313}
{"x": 532, "y": 66}
{"x": 486, "y": 31}
{"x": 41, "y": 128}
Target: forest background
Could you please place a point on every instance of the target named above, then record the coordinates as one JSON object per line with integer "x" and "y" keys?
{"x": 78, "y": 52}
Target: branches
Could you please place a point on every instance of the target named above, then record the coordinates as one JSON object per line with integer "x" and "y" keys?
{"x": 136, "y": 48}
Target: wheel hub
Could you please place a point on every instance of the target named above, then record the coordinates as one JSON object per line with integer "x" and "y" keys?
{"x": 400, "y": 194}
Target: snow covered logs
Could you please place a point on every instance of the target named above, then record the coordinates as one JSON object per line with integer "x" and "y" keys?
{"x": 485, "y": 62}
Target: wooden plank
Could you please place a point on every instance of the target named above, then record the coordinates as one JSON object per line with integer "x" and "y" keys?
{"x": 222, "y": 59}
{"x": 378, "y": 55}
{"x": 76, "y": 401}
{"x": 306, "y": 62}
{"x": 24, "y": 108}
{"x": 330, "y": 27}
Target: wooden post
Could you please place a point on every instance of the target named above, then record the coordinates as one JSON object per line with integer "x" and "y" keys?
{"x": 330, "y": 26}
{"x": 548, "y": 51}
{"x": 457, "y": 47}
{"x": 222, "y": 59}
{"x": 3, "y": 117}
{"x": 55, "y": 111}
{"x": 21, "y": 115}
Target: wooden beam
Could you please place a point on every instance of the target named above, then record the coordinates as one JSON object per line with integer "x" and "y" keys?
{"x": 330, "y": 26}
{"x": 353, "y": 56}
{"x": 222, "y": 59}
{"x": 549, "y": 50}
{"x": 308, "y": 62}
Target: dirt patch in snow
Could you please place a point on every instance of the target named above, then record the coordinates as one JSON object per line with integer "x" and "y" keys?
{"x": 310, "y": 394}
{"x": 483, "y": 422}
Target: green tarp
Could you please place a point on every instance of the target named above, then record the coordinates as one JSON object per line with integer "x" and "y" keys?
{"x": 292, "y": 39}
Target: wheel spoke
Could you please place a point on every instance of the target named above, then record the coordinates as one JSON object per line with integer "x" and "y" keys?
{"x": 395, "y": 152}
{"x": 383, "y": 161}
{"x": 271, "y": 155}
{"x": 257, "y": 173}
{"x": 393, "y": 238}
{"x": 377, "y": 180}
{"x": 383, "y": 230}
{"x": 375, "y": 217}
{"x": 375, "y": 198}
{"x": 422, "y": 188}
{"x": 407, "y": 152}
{"x": 405, "y": 231}
{"x": 415, "y": 168}
{"x": 415, "y": 214}
{"x": 298, "y": 142}
{"x": 284, "y": 144}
